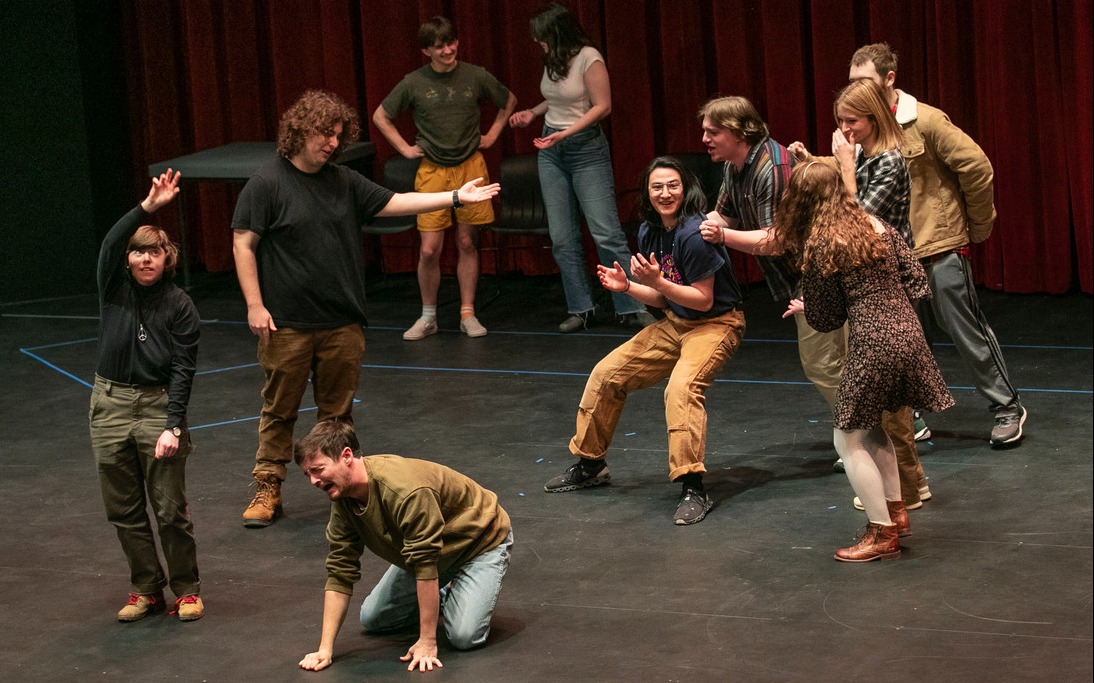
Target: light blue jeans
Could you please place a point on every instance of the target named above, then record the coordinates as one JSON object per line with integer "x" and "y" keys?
{"x": 577, "y": 172}
{"x": 468, "y": 596}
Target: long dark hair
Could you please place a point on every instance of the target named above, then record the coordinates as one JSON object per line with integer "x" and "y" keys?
{"x": 558, "y": 28}
{"x": 695, "y": 201}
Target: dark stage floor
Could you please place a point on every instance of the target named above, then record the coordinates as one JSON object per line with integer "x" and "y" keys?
{"x": 994, "y": 585}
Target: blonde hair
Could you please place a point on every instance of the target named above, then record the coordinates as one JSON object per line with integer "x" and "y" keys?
{"x": 864, "y": 97}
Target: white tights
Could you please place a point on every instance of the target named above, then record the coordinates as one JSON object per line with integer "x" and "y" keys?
{"x": 870, "y": 462}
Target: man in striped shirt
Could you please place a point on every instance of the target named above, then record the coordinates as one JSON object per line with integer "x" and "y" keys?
{"x": 757, "y": 169}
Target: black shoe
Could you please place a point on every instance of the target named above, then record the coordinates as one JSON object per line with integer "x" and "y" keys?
{"x": 580, "y": 476}
{"x": 693, "y": 507}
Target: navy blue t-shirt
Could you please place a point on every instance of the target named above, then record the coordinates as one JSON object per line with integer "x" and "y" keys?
{"x": 686, "y": 258}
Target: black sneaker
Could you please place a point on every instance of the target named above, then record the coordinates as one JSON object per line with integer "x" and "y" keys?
{"x": 693, "y": 507}
{"x": 580, "y": 476}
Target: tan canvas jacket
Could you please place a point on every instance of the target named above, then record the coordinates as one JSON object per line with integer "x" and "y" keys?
{"x": 952, "y": 195}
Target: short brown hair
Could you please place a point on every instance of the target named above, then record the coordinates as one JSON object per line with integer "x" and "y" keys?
{"x": 329, "y": 437}
{"x": 148, "y": 237}
{"x": 737, "y": 115}
{"x": 880, "y": 54}
{"x": 315, "y": 112}
{"x": 437, "y": 28}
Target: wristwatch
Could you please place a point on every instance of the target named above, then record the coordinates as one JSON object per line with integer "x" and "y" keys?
{"x": 176, "y": 431}
{"x": 456, "y": 203}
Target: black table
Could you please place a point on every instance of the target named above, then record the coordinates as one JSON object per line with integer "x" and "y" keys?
{"x": 236, "y": 162}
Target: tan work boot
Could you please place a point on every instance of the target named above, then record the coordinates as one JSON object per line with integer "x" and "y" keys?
{"x": 189, "y": 608}
{"x": 266, "y": 504}
{"x": 140, "y": 606}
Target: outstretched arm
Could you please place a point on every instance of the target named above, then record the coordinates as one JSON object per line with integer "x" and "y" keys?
{"x": 335, "y": 606}
{"x": 409, "y": 203}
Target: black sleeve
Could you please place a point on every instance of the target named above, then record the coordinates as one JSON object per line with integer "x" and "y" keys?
{"x": 111, "y": 268}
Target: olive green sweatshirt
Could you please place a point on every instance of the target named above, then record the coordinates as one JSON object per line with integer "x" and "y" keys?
{"x": 420, "y": 516}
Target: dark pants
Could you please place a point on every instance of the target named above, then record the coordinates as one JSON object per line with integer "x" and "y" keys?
{"x": 126, "y": 421}
{"x": 331, "y": 359}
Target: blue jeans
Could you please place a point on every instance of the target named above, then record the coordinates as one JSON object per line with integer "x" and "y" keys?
{"x": 578, "y": 172}
{"x": 468, "y": 596}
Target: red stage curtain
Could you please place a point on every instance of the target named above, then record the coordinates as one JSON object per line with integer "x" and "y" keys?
{"x": 1015, "y": 74}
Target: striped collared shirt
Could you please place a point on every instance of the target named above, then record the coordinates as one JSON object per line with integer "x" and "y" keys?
{"x": 751, "y": 195}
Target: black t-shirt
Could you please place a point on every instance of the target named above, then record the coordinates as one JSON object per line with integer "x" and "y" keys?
{"x": 311, "y": 269}
{"x": 686, "y": 258}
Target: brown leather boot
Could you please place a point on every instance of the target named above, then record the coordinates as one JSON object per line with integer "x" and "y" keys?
{"x": 899, "y": 516}
{"x": 877, "y": 543}
{"x": 898, "y": 513}
{"x": 266, "y": 504}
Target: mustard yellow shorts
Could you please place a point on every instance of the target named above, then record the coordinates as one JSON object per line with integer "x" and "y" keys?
{"x": 434, "y": 178}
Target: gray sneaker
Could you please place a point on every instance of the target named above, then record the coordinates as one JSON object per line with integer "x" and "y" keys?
{"x": 582, "y": 474}
{"x": 637, "y": 320}
{"x": 693, "y": 507}
{"x": 1008, "y": 425}
{"x": 577, "y": 321}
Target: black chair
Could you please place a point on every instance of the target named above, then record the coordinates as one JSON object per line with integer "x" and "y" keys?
{"x": 399, "y": 175}
{"x": 521, "y": 210}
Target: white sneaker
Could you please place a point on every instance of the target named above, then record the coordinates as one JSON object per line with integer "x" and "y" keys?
{"x": 421, "y": 329}
{"x": 472, "y": 327}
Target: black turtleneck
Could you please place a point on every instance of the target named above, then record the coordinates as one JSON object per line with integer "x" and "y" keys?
{"x": 168, "y": 354}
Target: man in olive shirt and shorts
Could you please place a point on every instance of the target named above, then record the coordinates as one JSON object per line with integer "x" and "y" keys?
{"x": 444, "y": 97}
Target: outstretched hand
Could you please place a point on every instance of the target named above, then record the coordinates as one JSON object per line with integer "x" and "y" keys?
{"x": 613, "y": 279}
{"x": 471, "y": 192}
{"x": 163, "y": 191}
{"x": 548, "y": 141}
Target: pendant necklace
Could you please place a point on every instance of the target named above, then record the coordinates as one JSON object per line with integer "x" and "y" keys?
{"x": 141, "y": 334}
